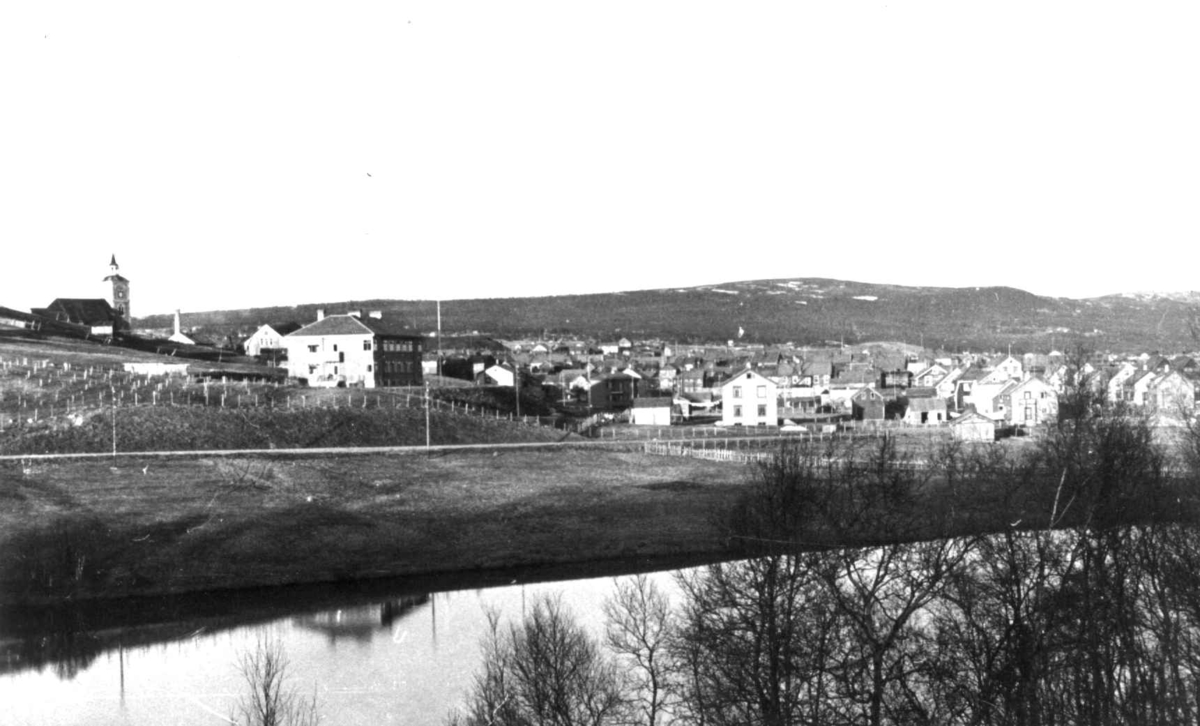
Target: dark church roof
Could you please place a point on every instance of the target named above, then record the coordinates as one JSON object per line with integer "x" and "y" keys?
{"x": 82, "y": 311}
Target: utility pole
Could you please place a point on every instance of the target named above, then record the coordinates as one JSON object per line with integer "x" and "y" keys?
{"x": 114, "y": 420}
{"x": 427, "y": 433}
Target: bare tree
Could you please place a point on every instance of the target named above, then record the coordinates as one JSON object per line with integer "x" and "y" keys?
{"x": 883, "y": 594}
{"x": 755, "y": 643}
{"x": 494, "y": 698}
{"x": 547, "y": 670}
{"x": 640, "y": 625}
{"x": 269, "y": 699}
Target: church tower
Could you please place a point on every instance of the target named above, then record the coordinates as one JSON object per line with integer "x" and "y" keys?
{"x": 120, "y": 289}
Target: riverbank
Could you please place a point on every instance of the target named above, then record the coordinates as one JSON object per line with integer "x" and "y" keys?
{"x": 86, "y": 530}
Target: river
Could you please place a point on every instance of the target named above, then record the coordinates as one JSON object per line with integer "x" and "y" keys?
{"x": 1098, "y": 625}
{"x": 406, "y": 659}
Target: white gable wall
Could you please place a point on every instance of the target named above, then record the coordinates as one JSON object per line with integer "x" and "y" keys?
{"x": 348, "y": 358}
{"x": 749, "y": 399}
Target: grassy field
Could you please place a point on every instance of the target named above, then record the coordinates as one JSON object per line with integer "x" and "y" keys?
{"x": 59, "y": 396}
{"x": 200, "y": 429}
{"x": 94, "y": 529}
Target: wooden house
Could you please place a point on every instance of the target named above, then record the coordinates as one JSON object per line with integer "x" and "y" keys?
{"x": 749, "y": 399}
{"x": 867, "y": 404}
{"x": 267, "y": 341}
{"x": 1030, "y": 402}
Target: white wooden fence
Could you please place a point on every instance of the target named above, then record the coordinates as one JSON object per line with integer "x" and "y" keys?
{"x": 662, "y": 448}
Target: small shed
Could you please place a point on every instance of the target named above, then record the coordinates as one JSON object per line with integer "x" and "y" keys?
{"x": 652, "y": 411}
{"x": 925, "y": 411}
{"x": 973, "y": 426}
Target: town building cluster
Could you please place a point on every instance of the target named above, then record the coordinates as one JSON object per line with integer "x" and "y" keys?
{"x": 657, "y": 382}
{"x": 780, "y": 386}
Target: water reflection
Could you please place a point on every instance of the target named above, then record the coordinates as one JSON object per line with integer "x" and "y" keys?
{"x": 1079, "y": 626}
{"x": 61, "y": 640}
{"x": 361, "y": 623}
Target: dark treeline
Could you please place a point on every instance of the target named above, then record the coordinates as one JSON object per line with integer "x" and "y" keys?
{"x": 1070, "y": 626}
{"x": 962, "y": 585}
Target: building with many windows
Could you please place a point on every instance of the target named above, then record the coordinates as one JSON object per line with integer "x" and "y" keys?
{"x": 348, "y": 350}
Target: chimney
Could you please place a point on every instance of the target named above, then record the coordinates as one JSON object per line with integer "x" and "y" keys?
{"x": 177, "y": 331}
{"x": 320, "y": 314}
{"x": 377, "y": 314}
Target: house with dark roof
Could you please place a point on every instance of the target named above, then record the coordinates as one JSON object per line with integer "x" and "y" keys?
{"x": 611, "y": 391}
{"x": 1185, "y": 365}
{"x": 348, "y": 350}
{"x": 867, "y": 404}
{"x": 17, "y": 320}
{"x": 96, "y": 314}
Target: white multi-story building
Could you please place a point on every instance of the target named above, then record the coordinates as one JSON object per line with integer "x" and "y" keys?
{"x": 348, "y": 350}
{"x": 749, "y": 399}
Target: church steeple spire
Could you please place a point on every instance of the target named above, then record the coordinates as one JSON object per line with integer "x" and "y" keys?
{"x": 120, "y": 288}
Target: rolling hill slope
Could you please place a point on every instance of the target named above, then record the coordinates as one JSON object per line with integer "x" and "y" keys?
{"x": 805, "y": 311}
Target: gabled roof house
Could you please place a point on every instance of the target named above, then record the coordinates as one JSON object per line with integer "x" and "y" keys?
{"x": 348, "y": 350}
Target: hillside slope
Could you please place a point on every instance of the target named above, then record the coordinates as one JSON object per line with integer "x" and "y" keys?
{"x": 805, "y": 311}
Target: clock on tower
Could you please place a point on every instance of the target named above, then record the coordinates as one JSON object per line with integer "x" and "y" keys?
{"x": 120, "y": 289}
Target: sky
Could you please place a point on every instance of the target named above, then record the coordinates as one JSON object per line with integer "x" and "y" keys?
{"x": 240, "y": 154}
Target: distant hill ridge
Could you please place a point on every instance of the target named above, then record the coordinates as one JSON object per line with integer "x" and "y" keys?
{"x": 804, "y": 311}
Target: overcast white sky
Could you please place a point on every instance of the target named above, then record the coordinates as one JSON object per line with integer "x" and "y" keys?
{"x": 237, "y": 154}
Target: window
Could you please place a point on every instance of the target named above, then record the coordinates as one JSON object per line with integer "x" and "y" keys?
{"x": 312, "y": 349}
{"x": 366, "y": 345}
{"x": 762, "y": 410}
{"x": 369, "y": 367}
{"x": 737, "y": 392}
{"x": 335, "y": 347}
{"x": 762, "y": 391}
{"x": 737, "y": 411}
{"x": 312, "y": 369}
